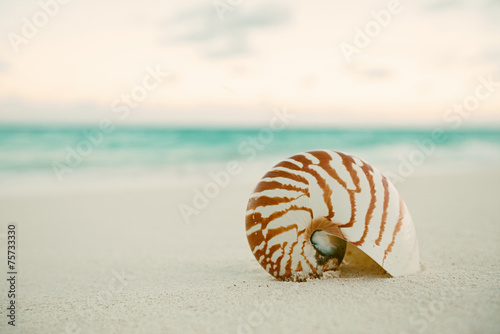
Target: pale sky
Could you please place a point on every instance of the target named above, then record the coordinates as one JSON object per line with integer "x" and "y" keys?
{"x": 264, "y": 54}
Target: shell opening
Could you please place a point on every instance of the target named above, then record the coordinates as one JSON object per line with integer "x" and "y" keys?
{"x": 328, "y": 247}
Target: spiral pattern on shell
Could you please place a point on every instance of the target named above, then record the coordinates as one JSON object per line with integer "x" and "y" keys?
{"x": 304, "y": 208}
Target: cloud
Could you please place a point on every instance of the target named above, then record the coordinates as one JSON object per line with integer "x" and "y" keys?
{"x": 217, "y": 38}
{"x": 379, "y": 73}
{"x": 443, "y": 5}
{"x": 3, "y": 66}
{"x": 492, "y": 11}
{"x": 490, "y": 8}
{"x": 371, "y": 70}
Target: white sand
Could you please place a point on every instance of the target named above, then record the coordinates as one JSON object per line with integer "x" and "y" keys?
{"x": 202, "y": 278}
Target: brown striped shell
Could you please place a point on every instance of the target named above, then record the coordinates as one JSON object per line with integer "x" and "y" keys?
{"x": 342, "y": 198}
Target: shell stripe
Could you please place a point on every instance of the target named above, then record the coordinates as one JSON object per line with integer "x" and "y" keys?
{"x": 266, "y": 200}
{"x": 347, "y": 161}
{"x": 396, "y": 230}
{"x": 269, "y": 185}
{"x": 384, "y": 214}
{"x": 367, "y": 169}
{"x": 327, "y": 191}
{"x": 287, "y": 175}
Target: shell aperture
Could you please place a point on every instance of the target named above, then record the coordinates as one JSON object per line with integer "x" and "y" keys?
{"x": 328, "y": 247}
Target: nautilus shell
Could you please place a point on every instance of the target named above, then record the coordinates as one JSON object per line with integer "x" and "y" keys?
{"x": 309, "y": 209}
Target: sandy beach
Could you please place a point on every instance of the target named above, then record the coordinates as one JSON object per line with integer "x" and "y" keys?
{"x": 124, "y": 261}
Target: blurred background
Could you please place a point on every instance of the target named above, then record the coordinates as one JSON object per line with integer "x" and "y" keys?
{"x": 127, "y": 92}
{"x": 132, "y": 134}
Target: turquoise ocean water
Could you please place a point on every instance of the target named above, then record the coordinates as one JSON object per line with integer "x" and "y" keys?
{"x": 26, "y": 151}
